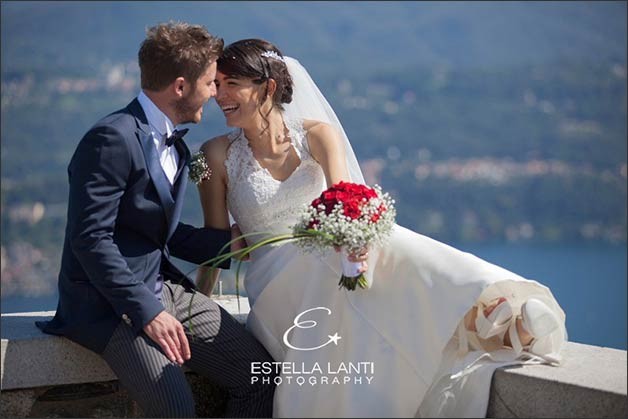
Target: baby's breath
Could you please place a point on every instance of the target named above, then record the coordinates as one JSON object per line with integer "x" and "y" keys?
{"x": 341, "y": 230}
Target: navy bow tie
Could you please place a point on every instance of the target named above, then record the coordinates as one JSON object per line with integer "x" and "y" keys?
{"x": 175, "y": 136}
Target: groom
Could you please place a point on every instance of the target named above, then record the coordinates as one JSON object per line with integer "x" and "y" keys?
{"x": 119, "y": 294}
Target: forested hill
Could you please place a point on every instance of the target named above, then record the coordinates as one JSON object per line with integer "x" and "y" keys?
{"x": 332, "y": 38}
{"x": 488, "y": 121}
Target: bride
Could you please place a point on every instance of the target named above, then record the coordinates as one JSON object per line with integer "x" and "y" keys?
{"x": 435, "y": 322}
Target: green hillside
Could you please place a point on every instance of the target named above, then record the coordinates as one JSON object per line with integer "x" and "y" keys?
{"x": 332, "y": 38}
{"x": 488, "y": 121}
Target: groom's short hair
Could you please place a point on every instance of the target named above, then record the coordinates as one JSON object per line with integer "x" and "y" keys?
{"x": 176, "y": 49}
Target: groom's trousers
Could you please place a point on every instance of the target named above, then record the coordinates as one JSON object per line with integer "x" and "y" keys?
{"x": 221, "y": 350}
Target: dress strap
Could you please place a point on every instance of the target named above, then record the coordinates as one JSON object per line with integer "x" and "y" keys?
{"x": 298, "y": 136}
{"x": 234, "y": 134}
{"x": 236, "y": 160}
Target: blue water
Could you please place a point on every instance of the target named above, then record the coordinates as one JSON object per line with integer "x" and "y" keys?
{"x": 589, "y": 282}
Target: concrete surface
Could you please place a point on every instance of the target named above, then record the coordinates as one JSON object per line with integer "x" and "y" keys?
{"x": 591, "y": 383}
{"x": 49, "y": 376}
{"x": 28, "y": 354}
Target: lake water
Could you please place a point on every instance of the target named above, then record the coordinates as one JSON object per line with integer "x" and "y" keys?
{"x": 589, "y": 282}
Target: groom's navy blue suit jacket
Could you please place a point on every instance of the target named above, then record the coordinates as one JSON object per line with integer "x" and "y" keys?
{"x": 123, "y": 225}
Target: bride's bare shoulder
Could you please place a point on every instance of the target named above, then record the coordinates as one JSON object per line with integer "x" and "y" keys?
{"x": 216, "y": 148}
{"x": 318, "y": 131}
{"x": 313, "y": 124}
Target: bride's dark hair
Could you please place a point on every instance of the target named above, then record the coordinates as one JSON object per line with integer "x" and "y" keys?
{"x": 258, "y": 60}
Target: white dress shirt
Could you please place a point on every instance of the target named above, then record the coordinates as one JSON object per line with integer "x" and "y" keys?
{"x": 161, "y": 127}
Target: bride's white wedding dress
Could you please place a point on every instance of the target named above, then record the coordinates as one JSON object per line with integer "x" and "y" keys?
{"x": 384, "y": 351}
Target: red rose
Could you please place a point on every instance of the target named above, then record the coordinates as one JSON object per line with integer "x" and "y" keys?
{"x": 316, "y": 202}
{"x": 351, "y": 195}
{"x": 342, "y": 196}
{"x": 329, "y": 196}
{"x": 352, "y": 210}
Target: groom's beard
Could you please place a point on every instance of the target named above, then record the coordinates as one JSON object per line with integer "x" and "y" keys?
{"x": 186, "y": 110}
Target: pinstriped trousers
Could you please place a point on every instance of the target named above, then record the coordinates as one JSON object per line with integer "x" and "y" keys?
{"x": 221, "y": 349}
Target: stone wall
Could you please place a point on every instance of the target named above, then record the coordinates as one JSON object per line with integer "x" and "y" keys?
{"x": 49, "y": 376}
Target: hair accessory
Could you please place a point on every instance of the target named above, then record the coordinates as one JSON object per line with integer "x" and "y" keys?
{"x": 272, "y": 54}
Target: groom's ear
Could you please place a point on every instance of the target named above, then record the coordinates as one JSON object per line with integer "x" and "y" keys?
{"x": 178, "y": 86}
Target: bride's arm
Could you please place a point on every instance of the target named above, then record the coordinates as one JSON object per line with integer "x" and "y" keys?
{"x": 213, "y": 196}
{"x": 328, "y": 150}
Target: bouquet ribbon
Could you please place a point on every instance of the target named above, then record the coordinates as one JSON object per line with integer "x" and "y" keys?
{"x": 349, "y": 268}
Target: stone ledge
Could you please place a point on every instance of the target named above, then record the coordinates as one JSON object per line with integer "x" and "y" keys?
{"x": 590, "y": 383}
{"x": 31, "y": 358}
{"x": 46, "y": 369}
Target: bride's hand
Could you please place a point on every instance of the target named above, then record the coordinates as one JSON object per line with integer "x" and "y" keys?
{"x": 240, "y": 244}
{"x": 357, "y": 257}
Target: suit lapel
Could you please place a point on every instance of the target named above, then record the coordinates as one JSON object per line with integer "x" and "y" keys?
{"x": 180, "y": 184}
{"x": 157, "y": 175}
{"x": 184, "y": 159}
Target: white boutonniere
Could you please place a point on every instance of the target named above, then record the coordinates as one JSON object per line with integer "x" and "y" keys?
{"x": 199, "y": 170}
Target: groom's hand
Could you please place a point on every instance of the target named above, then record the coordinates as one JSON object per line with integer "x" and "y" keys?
{"x": 168, "y": 333}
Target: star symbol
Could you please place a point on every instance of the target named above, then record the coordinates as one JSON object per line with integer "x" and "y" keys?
{"x": 335, "y": 338}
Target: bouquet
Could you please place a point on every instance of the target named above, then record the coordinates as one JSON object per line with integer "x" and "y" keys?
{"x": 348, "y": 216}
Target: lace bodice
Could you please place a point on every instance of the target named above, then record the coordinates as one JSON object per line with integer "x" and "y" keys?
{"x": 260, "y": 203}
